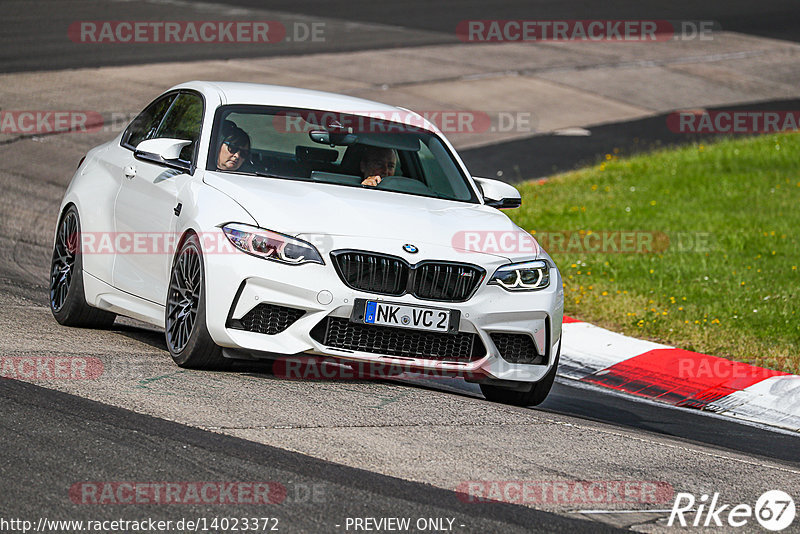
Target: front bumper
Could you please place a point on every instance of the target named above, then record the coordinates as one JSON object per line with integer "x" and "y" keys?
{"x": 237, "y": 283}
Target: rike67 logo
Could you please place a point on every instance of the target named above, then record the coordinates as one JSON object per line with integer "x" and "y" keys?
{"x": 774, "y": 510}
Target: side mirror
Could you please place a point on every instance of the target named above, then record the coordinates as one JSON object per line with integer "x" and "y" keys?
{"x": 162, "y": 151}
{"x": 498, "y": 194}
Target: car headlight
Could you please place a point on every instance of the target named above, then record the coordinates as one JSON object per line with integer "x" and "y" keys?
{"x": 271, "y": 245}
{"x": 527, "y": 276}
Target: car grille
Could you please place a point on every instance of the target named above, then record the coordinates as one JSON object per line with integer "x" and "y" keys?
{"x": 376, "y": 274}
{"x": 389, "y": 275}
{"x": 517, "y": 348}
{"x": 445, "y": 281}
{"x": 267, "y": 319}
{"x": 341, "y": 333}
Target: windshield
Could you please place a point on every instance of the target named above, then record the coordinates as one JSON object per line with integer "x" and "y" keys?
{"x": 336, "y": 148}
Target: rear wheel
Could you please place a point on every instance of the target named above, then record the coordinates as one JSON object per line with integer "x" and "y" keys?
{"x": 67, "y": 296}
{"x": 188, "y": 340}
{"x": 537, "y": 394}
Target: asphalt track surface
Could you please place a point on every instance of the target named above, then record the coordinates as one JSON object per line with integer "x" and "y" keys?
{"x": 71, "y": 439}
{"x": 33, "y": 33}
{"x": 548, "y": 154}
{"x": 772, "y": 18}
{"x": 379, "y": 449}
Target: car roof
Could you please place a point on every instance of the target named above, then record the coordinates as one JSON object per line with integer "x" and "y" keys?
{"x": 296, "y": 97}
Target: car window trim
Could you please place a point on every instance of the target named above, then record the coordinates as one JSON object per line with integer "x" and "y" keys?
{"x": 171, "y": 105}
{"x": 196, "y": 151}
{"x": 192, "y": 165}
{"x": 123, "y": 141}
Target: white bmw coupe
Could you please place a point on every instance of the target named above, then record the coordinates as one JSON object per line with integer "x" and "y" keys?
{"x": 254, "y": 221}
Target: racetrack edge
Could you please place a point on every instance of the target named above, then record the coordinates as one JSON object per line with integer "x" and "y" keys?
{"x": 594, "y": 355}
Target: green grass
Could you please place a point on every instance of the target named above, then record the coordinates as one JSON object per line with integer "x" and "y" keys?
{"x": 735, "y": 297}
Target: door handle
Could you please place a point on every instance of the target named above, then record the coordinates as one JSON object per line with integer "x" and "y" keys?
{"x": 130, "y": 172}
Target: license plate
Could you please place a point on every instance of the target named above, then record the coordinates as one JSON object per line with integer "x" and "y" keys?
{"x": 405, "y": 316}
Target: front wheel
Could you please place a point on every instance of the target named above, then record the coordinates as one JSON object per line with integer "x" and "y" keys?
{"x": 67, "y": 296}
{"x": 537, "y": 394}
{"x": 188, "y": 340}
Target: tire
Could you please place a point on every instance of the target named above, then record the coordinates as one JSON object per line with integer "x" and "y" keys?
{"x": 67, "y": 296}
{"x": 186, "y": 333}
{"x": 537, "y": 394}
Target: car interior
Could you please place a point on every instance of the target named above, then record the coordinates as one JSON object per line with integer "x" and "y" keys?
{"x": 334, "y": 156}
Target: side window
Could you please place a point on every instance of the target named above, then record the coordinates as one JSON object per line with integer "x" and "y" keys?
{"x": 146, "y": 123}
{"x": 183, "y": 121}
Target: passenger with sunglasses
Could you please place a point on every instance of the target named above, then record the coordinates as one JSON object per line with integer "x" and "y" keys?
{"x": 234, "y": 150}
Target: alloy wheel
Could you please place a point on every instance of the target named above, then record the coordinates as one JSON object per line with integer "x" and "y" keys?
{"x": 183, "y": 298}
{"x": 63, "y": 264}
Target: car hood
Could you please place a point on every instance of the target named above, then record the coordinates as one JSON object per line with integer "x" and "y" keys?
{"x": 311, "y": 208}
